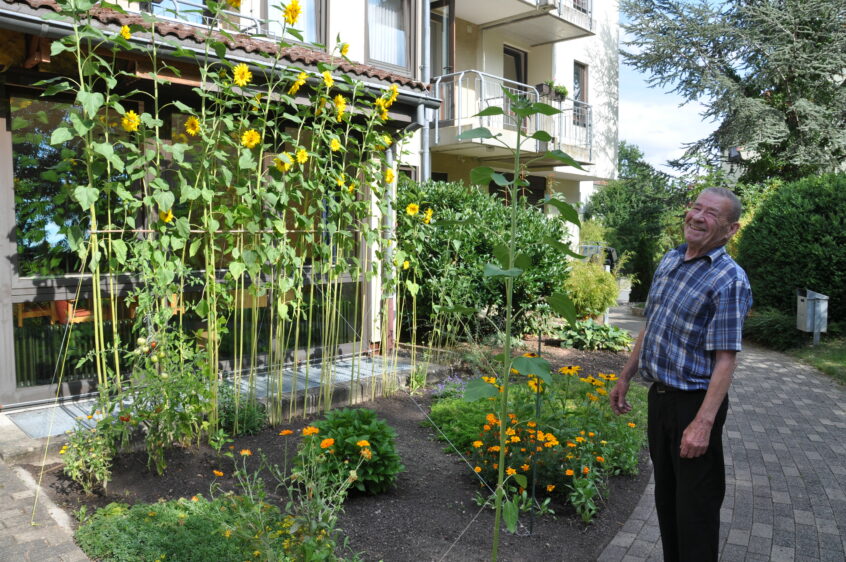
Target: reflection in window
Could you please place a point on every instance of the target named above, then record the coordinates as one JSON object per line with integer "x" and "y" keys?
{"x": 191, "y": 12}
{"x": 387, "y": 31}
{"x": 580, "y": 94}
{"x": 45, "y": 177}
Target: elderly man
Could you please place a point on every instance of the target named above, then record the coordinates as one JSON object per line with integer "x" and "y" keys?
{"x": 694, "y": 320}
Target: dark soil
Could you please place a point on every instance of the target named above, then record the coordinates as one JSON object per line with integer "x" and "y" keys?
{"x": 429, "y": 515}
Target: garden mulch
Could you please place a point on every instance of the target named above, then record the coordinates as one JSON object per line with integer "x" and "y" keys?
{"x": 429, "y": 515}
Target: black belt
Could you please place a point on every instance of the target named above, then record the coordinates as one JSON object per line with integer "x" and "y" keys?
{"x": 662, "y": 388}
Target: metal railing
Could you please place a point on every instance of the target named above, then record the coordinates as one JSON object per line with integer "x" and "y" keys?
{"x": 579, "y": 12}
{"x": 468, "y": 92}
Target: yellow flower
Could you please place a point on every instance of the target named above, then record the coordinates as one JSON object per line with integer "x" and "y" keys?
{"x": 310, "y": 430}
{"x": 427, "y": 216}
{"x": 227, "y": 533}
{"x": 390, "y": 176}
{"x": 302, "y": 156}
{"x": 580, "y": 439}
{"x": 510, "y": 471}
{"x": 363, "y": 443}
{"x": 217, "y": 473}
{"x": 412, "y": 208}
{"x": 525, "y": 468}
{"x": 351, "y": 187}
{"x": 166, "y": 216}
{"x": 192, "y": 126}
{"x": 292, "y": 12}
{"x": 345, "y": 49}
{"x": 246, "y": 452}
{"x": 327, "y": 79}
{"x": 631, "y": 424}
{"x": 569, "y": 370}
{"x": 341, "y": 181}
{"x": 250, "y": 138}
{"x": 125, "y": 33}
{"x": 384, "y": 142}
{"x": 477, "y": 444}
{"x": 340, "y": 106}
{"x": 393, "y": 93}
{"x": 532, "y": 424}
{"x": 283, "y": 162}
{"x": 334, "y": 145}
{"x": 234, "y": 3}
{"x": 585, "y": 470}
{"x": 326, "y": 443}
{"x": 380, "y": 104}
{"x": 300, "y": 81}
{"x": 366, "y": 454}
{"x": 550, "y": 487}
{"x": 286, "y": 432}
{"x": 600, "y": 459}
{"x": 405, "y": 265}
{"x": 241, "y": 75}
{"x": 478, "y": 469}
{"x": 130, "y": 121}
{"x": 569, "y": 472}
{"x": 515, "y": 439}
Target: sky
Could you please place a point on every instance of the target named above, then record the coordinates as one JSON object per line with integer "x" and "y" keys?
{"x": 653, "y": 120}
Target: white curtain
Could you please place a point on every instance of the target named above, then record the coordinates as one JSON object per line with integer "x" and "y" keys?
{"x": 387, "y": 36}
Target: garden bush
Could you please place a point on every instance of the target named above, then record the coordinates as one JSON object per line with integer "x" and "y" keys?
{"x": 773, "y": 328}
{"x": 798, "y": 239}
{"x": 447, "y": 261}
{"x": 348, "y": 435}
{"x": 246, "y": 416}
{"x": 591, "y": 288}
{"x": 587, "y": 334}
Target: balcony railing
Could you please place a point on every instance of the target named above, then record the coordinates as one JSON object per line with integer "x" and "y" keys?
{"x": 580, "y": 12}
{"x": 468, "y": 92}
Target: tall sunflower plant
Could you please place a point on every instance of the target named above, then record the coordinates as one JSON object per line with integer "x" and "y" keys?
{"x": 508, "y": 267}
{"x": 266, "y": 191}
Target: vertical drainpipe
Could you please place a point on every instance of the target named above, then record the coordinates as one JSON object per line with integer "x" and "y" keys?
{"x": 422, "y": 112}
{"x": 388, "y": 267}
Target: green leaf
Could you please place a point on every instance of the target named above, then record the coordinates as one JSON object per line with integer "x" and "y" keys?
{"x": 119, "y": 250}
{"x": 542, "y": 136}
{"x": 561, "y": 304}
{"x": 564, "y": 158}
{"x": 537, "y": 366}
{"x": 477, "y": 389}
{"x": 492, "y": 110}
{"x": 190, "y": 193}
{"x": 182, "y": 107}
{"x": 91, "y": 102}
{"x": 567, "y": 211}
{"x": 164, "y": 199}
{"x": 477, "y": 133}
{"x": 86, "y": 196}
{"x": 481, "y": 175}
{"x": 562, "y": 247}
{"x": 465, "y": 310}
{"x": 108, "y": 152}
{"x": 60, "y": 135}
{"x": 237, "y": 268}
{"x": 492, "y": 270}
{"x": 57, "y": 48}
{"x": 510, "y": 513}
{"x": 522, "y": 261}
{"x": 500, "y": 179}
{"x": 246, "y": 161}
{"x": 544, "y": 109}
{"x": 501, "y": 253}
{"x": 194, "y": 247}
{"x": 520, "y": 479}
{"x": 412, "y": 287}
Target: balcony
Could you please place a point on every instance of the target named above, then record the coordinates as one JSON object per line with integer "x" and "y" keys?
{"x": 537, "y": 21}
{"x": 466, "y": 93}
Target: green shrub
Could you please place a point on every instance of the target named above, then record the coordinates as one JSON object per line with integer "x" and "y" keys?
{"x": 798, "y": 239}
{"x": 342, "y": 434}
{"x": 447, "y": 256}
{"x": 773, "y": 328}
{"x": 591, "y": 288}
{"x": 247, "y": 416}
{"x": 587, "y": 334}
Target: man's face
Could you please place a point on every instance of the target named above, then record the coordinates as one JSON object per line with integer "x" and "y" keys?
{"x": 706, "y": 224}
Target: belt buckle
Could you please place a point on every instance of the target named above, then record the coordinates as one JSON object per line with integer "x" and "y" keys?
{"x": 660, "y": 388}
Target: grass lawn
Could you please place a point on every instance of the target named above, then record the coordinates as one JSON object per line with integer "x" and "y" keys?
{"x": 829, "y": 357}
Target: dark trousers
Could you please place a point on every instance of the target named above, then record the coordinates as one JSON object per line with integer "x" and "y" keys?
{"x": 688, "y": 492}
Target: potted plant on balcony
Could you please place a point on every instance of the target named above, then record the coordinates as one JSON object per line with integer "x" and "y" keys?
{"x": 551, "y": 90}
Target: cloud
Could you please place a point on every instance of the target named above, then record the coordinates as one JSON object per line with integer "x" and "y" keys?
{"x": 660, "y": 128}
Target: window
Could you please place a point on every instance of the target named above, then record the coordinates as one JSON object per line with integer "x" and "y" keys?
{"x": 580, "y": 94}
{"x": 534, "y": 193}
{"x": 440, "y": 176}
{"x": 312, "y": 22}
{"x": 514, "y": 65}
{"x": 389, "y": 34}
{"x": 184, "y": 10}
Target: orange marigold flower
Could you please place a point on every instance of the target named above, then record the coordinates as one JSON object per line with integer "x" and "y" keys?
{"x": 585, "y": 470}
{"x": 326, "y": 443}
{"x": 478, "y": 469}
{"x": 366, "y": 453}
{"x": 363, "y": 443}
{"x": 486, "y": 427}
{"x": 532, "y": 424}
{"x": 569, "y": 472}
{"x": 550, "y": 487}
{"x": 217, "y": 473}
{"x": 510, "y": 471}
{"x": 310, "y": 430}
{"x": 286, "y": 432}
{"x": 494, "y": 448}
{"x": 246, "y": 452}
{"x": 632, "y": 424}
{"x": 477, "y": 444}
{"x": 600, "y": 459}
{"x": 525, "y": 467}
{"x": 580, "y": 439}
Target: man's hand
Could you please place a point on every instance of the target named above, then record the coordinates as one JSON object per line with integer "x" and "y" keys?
{"x": 694, "y": 441}
{"x": 617, "y": 396}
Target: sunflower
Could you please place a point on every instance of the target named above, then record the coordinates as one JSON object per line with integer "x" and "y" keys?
{"x": 345, "y": 49}
{"x": 302, "y": 156}
{"x": 390, "y": 176}
{"x": 292, "y": 12}
{"x": 300, "y": 81}
{"x": 250, "y": 138}
{"x": 283, "y": 162}
{"x": 192, "y": 126}
{"x": 412, "y": 209}
{"x": 125, "y": 32}
{"x": 327, "y": 79}
{"x": 340, "y": 106}
{"x": 334, "y": 145}
{"x": 166, "y": 216}
{"x": 130, "y": 121}
{"x": 241, "y": 75}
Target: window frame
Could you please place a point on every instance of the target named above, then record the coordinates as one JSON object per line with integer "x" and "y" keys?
{"x": 410, "y": 18}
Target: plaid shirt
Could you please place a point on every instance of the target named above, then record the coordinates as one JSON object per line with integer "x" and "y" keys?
{"x": 694, "y": 308}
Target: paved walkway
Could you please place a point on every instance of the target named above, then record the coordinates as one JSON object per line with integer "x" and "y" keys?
{"x": 785, "y": 441}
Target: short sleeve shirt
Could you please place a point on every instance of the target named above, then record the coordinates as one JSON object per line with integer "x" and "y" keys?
{"x": 694, "y": 308}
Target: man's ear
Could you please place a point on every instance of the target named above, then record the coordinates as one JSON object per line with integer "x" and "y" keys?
{"x": 733, "y": 228}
